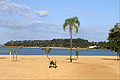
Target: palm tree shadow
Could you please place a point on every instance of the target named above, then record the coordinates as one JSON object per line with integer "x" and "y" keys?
{"x": 72, "y": 59}
{"x": 111, "y": 59}
{"x": 2, "y": 58}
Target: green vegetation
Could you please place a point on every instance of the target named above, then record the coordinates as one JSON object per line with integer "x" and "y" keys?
{"x": 21, "y": 49}
{"x": 14, "y": 51}
{"x": 71, "y": 22}
{"x": 114, "y": 39}
{"x": 47, "y": 50}
{"x": 76, "y": 43}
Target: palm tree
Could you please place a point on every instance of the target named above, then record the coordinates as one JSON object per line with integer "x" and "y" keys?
{"x": 13, "y": 51}
{"x": 16, "y": 53}
{"x": 77, "y": 53}
{"x": 21, "y": 47}
{"x": 47, "y": 50}
{"x": 71, "y": 22}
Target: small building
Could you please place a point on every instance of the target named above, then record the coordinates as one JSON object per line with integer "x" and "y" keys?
{"x": 92, "y": 47}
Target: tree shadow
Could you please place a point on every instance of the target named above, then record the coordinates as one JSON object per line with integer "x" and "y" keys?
{"x": 2, "y": 57}
{"x": 72, "y": 59}
{"x": 111, "y": 59}
{"x": 16, "y": 61}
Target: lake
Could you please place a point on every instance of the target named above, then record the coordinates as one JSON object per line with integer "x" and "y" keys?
{"x": 37, "y": 51}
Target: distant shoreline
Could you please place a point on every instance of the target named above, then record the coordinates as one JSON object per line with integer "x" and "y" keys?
{"x": 57, "y": 48}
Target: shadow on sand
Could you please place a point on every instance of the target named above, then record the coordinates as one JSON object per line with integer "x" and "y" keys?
{"x": 2, "y": 57}
{"x": 72, "y": 59}
{"x": 110, "y": 59}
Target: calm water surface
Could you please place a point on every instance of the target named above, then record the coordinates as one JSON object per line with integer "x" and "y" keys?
{"x": 37, "y": 51}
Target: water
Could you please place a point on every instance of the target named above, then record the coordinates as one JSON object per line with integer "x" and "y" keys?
{"x": 37, "y": 51}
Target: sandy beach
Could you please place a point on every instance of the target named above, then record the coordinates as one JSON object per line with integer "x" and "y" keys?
{"x": 37, "y": 67}
{"x": 49, "y": 47}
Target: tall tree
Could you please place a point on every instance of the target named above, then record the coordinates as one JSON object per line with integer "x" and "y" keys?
{"x": 21, "y": 47}
{"x": 16, "y": 51}
{"x": 13, "y": 51}
{"x": 71, "y": 22}
{"x": 47, "y": 50}
{"x": 114, "y": 39}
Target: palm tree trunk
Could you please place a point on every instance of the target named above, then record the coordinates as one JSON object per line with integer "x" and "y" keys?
{"x": 71, "y": 44}
{"x": 16, "y": 56}
{"x": 13, "y": 54}
{"x": 47, "y": 55}
{"x": 117, "y": 55}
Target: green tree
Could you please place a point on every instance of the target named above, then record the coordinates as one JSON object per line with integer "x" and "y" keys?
{"x": 114, "y": 39}
{"x": 71, "y": 22}
{"x": 13, "y": 51}
{"x": 47, "y": 50}
{"x": 16, "y": 51}
{"x": 77, "y": 53}
{"x": 21, "y": 49}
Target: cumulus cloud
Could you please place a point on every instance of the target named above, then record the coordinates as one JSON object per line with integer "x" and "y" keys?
{"x": 36, "y": 22}
{"x": 14, "y": 8}
{"x": 20, "y": 16}
{"x": 29, "y": 25}
{"x": 8, "y": 7}
{"x": 2, "y": 2}
{"x": 11, "y": 32}
{"x": 42, "y": 13}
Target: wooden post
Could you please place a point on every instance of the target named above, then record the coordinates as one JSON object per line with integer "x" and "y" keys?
{"x": 10, "y": 56}
{"x": 13, "y": 53}
{"x": 16, "y": 55}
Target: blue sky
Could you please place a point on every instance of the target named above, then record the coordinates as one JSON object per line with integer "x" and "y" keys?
{"x": 43, "y": 19}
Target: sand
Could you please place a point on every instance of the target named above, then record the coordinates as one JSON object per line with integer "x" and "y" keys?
{"x": 56, "y": 47}
{"x": 37, "y": 67}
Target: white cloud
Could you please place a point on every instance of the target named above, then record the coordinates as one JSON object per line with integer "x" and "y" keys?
{"x": 11, "y": 32}
{"x": 2, "y": 2}
{"x": 42, "y": 13}
{"x": 7, "y": 8}
{"x": 36, "y": 22}
{"x": 29, "y": 15}
{"x": 20, "y": 16}
{"x": 68, "y": 9}
{"x": 14, "y": 8}
{"x": 30, "y": 25}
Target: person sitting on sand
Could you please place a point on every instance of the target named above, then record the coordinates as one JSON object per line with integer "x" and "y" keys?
{"x": 53, "y": 64}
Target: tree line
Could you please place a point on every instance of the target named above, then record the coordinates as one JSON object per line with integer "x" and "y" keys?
{"x": 76, "y": 43}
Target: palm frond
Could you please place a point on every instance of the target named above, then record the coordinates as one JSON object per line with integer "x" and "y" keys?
{"x": 68, "y": 22}
{"x": 64, "y": 26}
{"x": 76, "y": 27}
{"x": 43, "y": 49}
{"x": 72, "y": 22}
{"x": 77, "y": 53}
{"x": 76, "y": 21}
